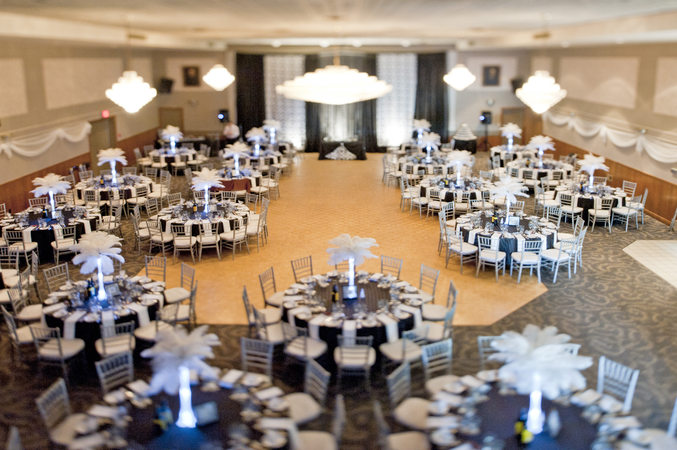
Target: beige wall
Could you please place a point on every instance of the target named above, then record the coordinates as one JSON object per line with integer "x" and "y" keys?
{"x": 627, "y": 91}
{"x": 40, "y": 63}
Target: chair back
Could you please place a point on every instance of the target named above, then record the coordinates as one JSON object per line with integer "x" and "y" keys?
{"x": 169, "y": 314}
{"x": 115, "y": 371}
{"x": 554, "y": 215}
{"x": 302, "y": 267}
{"x": 428, "y": 280}
{"x": 451, "y": 296}
{"x": 339, "y": 420}
{"x": 9, "y": 260}
{"x": 129, "y": 170}
{"x": 187, "y": 276}
{"x": 485, "y": 349}
{"x": 355, "y": 349}
{"x": 391, "y": 266}
{"x": 11, "y": 325}
{"x": 532, "y": 246}
{"x": 151, "y": 172}
{"x": 437, "y": 358}
{"x": 116, "y": 335}
{"x": 672, "y": 426}
{"x": 86, "y": 175}
{"x": 557, "y": 175}
{"x": 48, "y": 339}
{"x": 267, "y": 281}
{"x": 56, "y": 276}
{"x": 257, "y": 356}
{"x": 37, "y": 201}
{"x": 399, "y": 384}
{"x": 17, "y": 297}
{"x": 13, "y": 439}
{"x": 316, "y": 381}
{"x": 174, "y": 199}
{"x": 629, "y": 188}
{"x": 566, "y": 199}
{"x": 616, "y": 379}
{"x": 14, "y": 236}
{"x": 53, "y": 404}
{"x": 606, "y": 204}
{"x": 248, "y": 307}
{"x": 156, "y": 267}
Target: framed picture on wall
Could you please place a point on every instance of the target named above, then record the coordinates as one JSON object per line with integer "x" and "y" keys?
{"x": 191, "y": 75}
{"x": 491, "y": 75}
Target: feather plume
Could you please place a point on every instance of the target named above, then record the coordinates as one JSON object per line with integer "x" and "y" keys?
{"x": 175, "y": 348}
{"x": 430, "y": 140}
{"x": 169, "y": 132}
{"x": 459, "y": 158}
{"x": 237, "y": 149}
{"x": 206, "y": 179}
{"x": 590, "y": 163}
{"x": 511, "y": 130}
{"x": 111, "y": 156}
{"x": 543, "y": 352}
{"x": 50, "y": 182}
{"x": 256, "y": 134}
{"x": 346, "y": 247}
{"x": 509, "y": 188}
{"x": 271, "y": 124}
{"x": 93, "y": 246}
{"x": 541, "y": 143}
{"x": 421, "y": 124}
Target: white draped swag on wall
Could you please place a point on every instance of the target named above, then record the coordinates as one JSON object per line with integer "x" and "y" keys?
{"x": 658, "y": 149}
{"x": 291, "y": 113}
{"x": 395, "y": 111}
{"x": 37, "y": 144}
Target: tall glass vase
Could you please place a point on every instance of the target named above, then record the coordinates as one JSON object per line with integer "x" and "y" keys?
{"x": 101, "y": 295}
{"x": 187, "y": 417}
{"x": 51, "y": 203}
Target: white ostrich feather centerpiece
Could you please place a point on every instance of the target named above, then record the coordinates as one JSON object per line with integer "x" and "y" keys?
{"x": 421, "y": 124}
{"x": 511, "y": 131}
{"x": 509, "y": 188}
{"x": 112, "y": 156}
{"x": 353, "y": 249}
{"x": 590, "y": 163}
{"x": 256, "y": 134}
{"x": 237, "y": 150}
{"x": 96, "y": 246}
{"x": 458, "y": 159}
{"x": 539, "y": 359}
{"x": 50, "y": 183}
{"x": 171, "y": 132}
{"x": 205, "y": 180}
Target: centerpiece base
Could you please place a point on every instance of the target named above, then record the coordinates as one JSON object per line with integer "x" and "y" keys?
{"x": 349, "y": 292}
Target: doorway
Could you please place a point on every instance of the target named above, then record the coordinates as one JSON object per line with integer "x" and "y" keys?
{"x": 171, "y": 116}
{"x": 103, "y": 135}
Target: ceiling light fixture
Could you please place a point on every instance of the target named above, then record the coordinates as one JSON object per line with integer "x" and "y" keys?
{"x": 334, "y": 85}
{"x": 540, "y": 92}
{"x": 460, "y": 77}
{"x": 130, "y": 92}
{"x": 218, "y": 77}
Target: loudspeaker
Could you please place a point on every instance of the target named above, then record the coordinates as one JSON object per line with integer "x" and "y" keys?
{"x": 165, "y": 86}
{"x": 516, "y": 83}
{"x": 485, "y": 118}
{"x": 223, "y": 115}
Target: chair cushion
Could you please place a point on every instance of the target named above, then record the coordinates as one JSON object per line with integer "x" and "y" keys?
{"x": 276, "y": 299}
{"x": 435, "y": 331}
{"x": 115, "y": 345}
{"x": 552, "y": 254}
{"x": 354, "y": 360}
{"x": 602, "y": 213}
{"x": 4, "y": 296}
{"x": 393, "y": 350}
{"x": 302, "y": 407}
{"x": 69, "y": 348}
{"x": 311, "y": 440}
{"x": 297, "y": 348}
{"x": 572, "y": 209}
{"x": 162, "y": 237}
{"x": 620, "y": 210}
{"x": 63, "y": 244}
{"x": 491, "y": 255}
{"x": 468, "y": 249}
{"x": 425, "y": 297}
{"x": 147, "y": 332}
{"x": 24, "y": 335}
{"x": 64, "y": 432}
{"x": 270, "y": 315}
{"x": 176, "y": 294}
{"x": 183, "y": 314}
{"x": 529, "y": 257}
{"x": 228, "y": 236}
{"x": 209, "y": 240}
{"x": 19, "y": 247}
{"x": 273, "y": 333}
{"x": 412, "y": 413}
{"x": 434, "y": 312}
{"x": 185, "y": 241}
{"x": 408, "y": 440}
{"x": 30, "y": 313}
{"x": 435, "y": 385}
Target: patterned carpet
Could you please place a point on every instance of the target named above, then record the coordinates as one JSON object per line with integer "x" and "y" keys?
{"x": 613, "y": 306}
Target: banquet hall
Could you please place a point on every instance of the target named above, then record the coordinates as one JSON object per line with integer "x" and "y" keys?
{"x": 419, "y": 183}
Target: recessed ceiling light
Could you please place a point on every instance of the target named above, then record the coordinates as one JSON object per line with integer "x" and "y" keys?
{"x": 620, "y": 41}
{"x": 357, "y": 43}
{"x": 405, "y": 43}
{"x": 565, "y": 44}
{"x": 324, "y": 44}
{"x": 276, "y": 43}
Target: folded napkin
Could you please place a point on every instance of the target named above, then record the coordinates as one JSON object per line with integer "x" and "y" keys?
{"x": 391, "y": 326}
{"x": 139, "y": 387}
{"x": 230, "y": 378}
{"x": 107, "y": 318}
{"x": 27, "y": 234}
{"x": 69, "y": 324}
{"x": 543, "y": 238}
{"x": 314, "y": 326}
{"x": 87, "y": 225}
{"x": 416, "y": 312}
{"x": 471, "y": 381}
{"x": 53, "y": 308}
{"x": 520, "y": 241}
{"x": 276, "y": 423}
{"x": 271, "y": 392}
{"x": 449, "y": 398}
{"x": 434, "y": 422}
{"x": 472, "y": 234}
{"x": 103, "y": 411}
{"x": 95, "y": 440}
{"x": 291, "y": 314}
{"x": 495, "y": 240}
{"x": 141, "y": 313}
{"x": 401, "y": 284}
{"x": 349, "y": 332}
{"x": 293, "y": 298}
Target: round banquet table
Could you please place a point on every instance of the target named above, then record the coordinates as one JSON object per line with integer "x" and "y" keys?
{"x": 374, "y": 292}
{"x": 168, "y": 156}
{"x": 225, "y": 213}
{"x": 124, "y": 189}
{"x": 507, "y": 241}
{"x": 547, "y": 171}
{"x": 518, "y": 152}
{"x": 43, "y": 234}
{"x": 449, "y": 192}
{"x": 589, "y": 200}
{"x": 498, "y": 414}
{"x": 88, "y": 327}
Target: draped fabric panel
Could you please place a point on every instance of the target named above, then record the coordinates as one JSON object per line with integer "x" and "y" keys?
{"x": 431, "y": 92}
{"x": 291, "y": 113}
{"x": 355, "y": 122}
{"x": 394, "y": 111}
{"x": 250, "y": 95}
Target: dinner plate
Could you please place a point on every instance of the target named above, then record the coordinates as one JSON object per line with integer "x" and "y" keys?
{"x": 157, "y": 289}
{"x": 63, "y": 312}
{"x": 273, "y": 439}
{"x": 415, "y": 302}
{"x": 277, "y": 404}
{"x": 488, "y": 375}
{"x": 369, "y": 323}
{"x": 443, "y": 438}
{"x": 411, "y": 289}
{"x": 307, "y": 280}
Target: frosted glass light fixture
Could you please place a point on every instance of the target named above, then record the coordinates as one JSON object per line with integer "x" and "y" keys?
{"x": 460, "y": 77}
{"x": 131, "y": 92}
{"x": 541, "y": 92}
{"x": 218, "y": 77}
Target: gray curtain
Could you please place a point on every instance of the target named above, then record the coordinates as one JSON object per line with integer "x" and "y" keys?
{"x": 431, "y": 93}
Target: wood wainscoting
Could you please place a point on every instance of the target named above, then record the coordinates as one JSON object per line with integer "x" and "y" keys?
{"x": 15, "y": 193}
{"x": 662, "y": 197}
